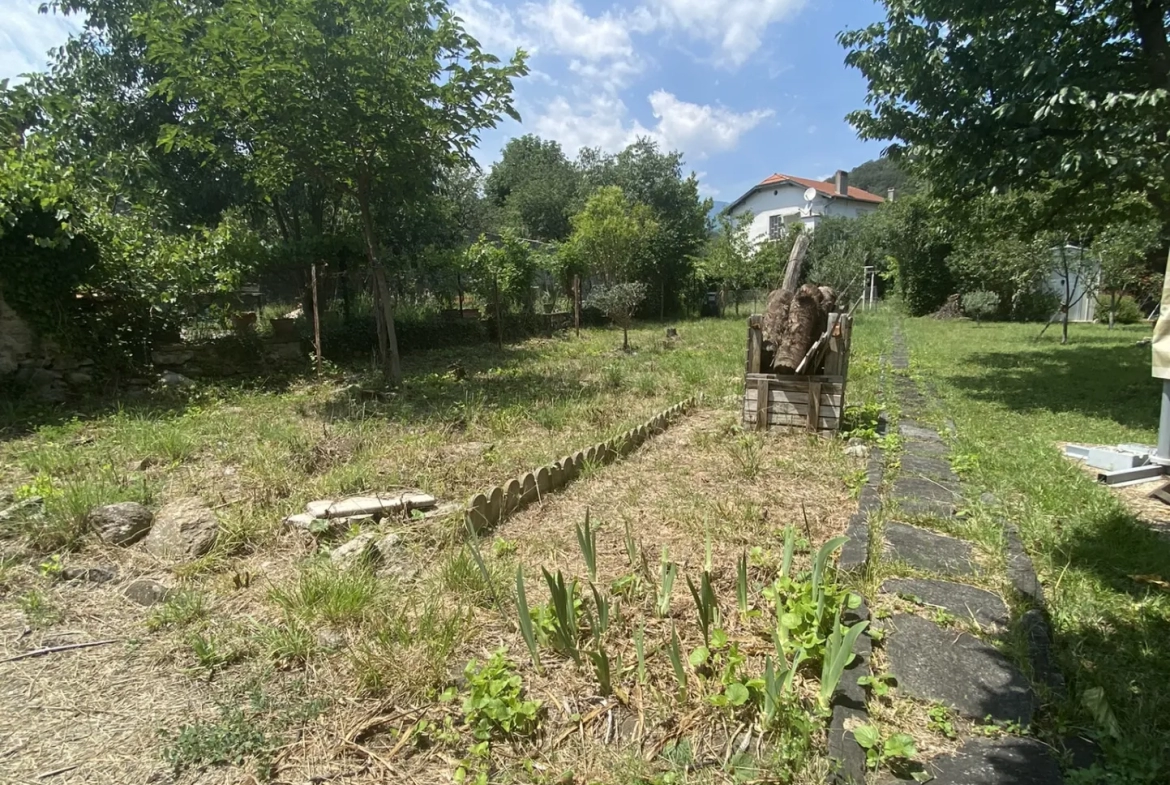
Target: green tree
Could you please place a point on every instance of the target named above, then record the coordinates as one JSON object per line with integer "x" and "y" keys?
{"x": 613, "y": 237}
{"x": 501, "y": 271}
{"x": 1123, "y": 249}
{"x": 654, "y": 178}
{"x": 880, "y": 175}
{"x": 729, "y": 257}
{"x": 534, "y": 186}
{"x": 978, "y": 95}
{"x": 370, "y": 98}
{"x": 619, "y": 302}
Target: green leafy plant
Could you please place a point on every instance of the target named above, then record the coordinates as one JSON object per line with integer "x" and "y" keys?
{"x": 565, "y": 608}
{"x": 51, "y": 567}
{"x": 631, "y": 546}
{"x": 939, "y": 721}
{"x": 599, "y": 625}
{"x": 725, "y": 661}
{"x": 601, "y": 669}
{"x": 706, "y": 604}
{"x": 741, "y": 583}
{"x": 180, "y": 609}
{"x": 587, "y": 539}
{"x": 898, "y": 747}
{"x": 777, "y": 685}
{"x": 669, "y": 572}
{"x": 880, "y": 684}
{"x": 680, "y": 675}
{"x": 208, "y": 651}
{"x": 525, "y": 618}
{"x": 838, "y": 655}
{"x": 495, "y": 706}
{"x": 980, "y": 304}
{"x": 806, "y": 609}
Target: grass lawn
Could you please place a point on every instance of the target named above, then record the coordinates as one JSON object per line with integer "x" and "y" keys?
{"x": 268, "y": 660}
{"x": 1014, "y": 400}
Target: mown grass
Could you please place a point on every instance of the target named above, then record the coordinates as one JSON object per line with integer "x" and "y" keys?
{"x": 1014, "y": 399}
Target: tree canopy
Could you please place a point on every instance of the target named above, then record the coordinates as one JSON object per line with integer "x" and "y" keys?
{"x": 535, "y": 186}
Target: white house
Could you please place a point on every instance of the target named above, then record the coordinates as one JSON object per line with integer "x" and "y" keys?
{"x": 783, "y": 200}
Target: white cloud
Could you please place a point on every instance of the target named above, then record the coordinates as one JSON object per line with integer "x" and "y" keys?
{"x": 493, "y": 26}
{"x": 26, "y": 37}
{"x": 735, "y": 27}
{"x": 599, "y": 48}
{"x": 698, "y": 130}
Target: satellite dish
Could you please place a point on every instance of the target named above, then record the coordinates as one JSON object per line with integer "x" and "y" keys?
{"x": 810, "y": 194}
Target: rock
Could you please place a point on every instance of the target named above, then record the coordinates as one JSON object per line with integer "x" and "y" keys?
{"x": 283, "y": 350}
{"x": 124, "y": 523}
{"x": 970, "y": 676}
{"x": 20, "y": 506}
{"x": 146, "y": 592}
{"x": 960, "y": 600}
{"x": 988, "y": 498}
{"x": 172, "y": 355}
{"x": 1010, "y": 759}
{"x": 330, "y": 640}
{"x": 183, "y": 529}
{"x": 925, "y": 466}
{"x": 89, "y": 574}
{"x": 919, "y": 496}
{"x": 362, "y": 551}
{"x": 309, "y": 523}
{"x": 172, "y": 379}
{"x": 857, "y": 451}
{"x": 78, "y": 378}
{"x": 915, "y": 430}
{"x": 928, "y": 551}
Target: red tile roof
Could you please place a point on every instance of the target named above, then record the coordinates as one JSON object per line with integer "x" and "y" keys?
{"x": 828, "y": 189}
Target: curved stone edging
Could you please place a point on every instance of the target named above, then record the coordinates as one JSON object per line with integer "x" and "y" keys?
{"x": 485, "y": 510}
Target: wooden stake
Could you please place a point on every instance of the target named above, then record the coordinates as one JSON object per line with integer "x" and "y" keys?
{"x": 795, "y": 263}
{"x": 577, "y": 304}
{"x": 316, "y": 320}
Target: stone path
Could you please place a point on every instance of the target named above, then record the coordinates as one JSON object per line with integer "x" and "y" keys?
{"x": 933, "y": 663}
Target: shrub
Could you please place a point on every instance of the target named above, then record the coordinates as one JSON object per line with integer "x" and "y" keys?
{"x": 1125, "y": 310}
{"x": 980, "y": 304}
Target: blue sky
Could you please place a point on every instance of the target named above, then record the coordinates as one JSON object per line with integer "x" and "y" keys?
{"x": 744, "y": 88}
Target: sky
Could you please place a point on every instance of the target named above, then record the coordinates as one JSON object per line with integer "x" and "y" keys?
{"x": 744, "y": 88}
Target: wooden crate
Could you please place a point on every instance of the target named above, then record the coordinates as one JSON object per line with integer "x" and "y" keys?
{"x": 806, "y": 402}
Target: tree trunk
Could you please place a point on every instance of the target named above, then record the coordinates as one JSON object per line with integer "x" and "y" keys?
{"x": 625, "y": 339}
{"x": 1064, "y": 327}
{"x": 499, "y": 316}
{"x": 804, "y": 315}
{"x": 1112, "y": 308}
{"x": 383, "y": 309}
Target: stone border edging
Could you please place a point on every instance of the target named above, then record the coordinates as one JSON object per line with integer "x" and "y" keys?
{"x": 849, "y": 701}
{"x": 492, "y": 507}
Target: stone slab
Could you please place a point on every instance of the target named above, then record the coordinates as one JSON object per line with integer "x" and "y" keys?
{"x": 370, "y": 505}
{"x": 919, "y": 496}
{"x": 911, "y": 429}
{"x": 960, "y": 600}
{"x": 927, "y": 550}
{"x": 1010, "y": 760}
{"x": 927, "y": 466}
{"x": 957, "y": 669}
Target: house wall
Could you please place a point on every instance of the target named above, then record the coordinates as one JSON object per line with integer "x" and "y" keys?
{"x": 789, "y": 200}
{"x": 1084, "y": 286}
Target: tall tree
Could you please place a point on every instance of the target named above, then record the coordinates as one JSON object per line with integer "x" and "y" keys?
{"x": 371, "y": 98}
{"x": 648, "y": 175}
{"x": 1005, "y": 94}
{"x": 534, "y": 185}
{"x": 613, "y": 235}
{"x": 729, "y": 256}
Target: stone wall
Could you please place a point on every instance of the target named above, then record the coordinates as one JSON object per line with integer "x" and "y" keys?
{"x": 18, "y": 342}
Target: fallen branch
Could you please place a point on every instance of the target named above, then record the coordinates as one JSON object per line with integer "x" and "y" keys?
{"x": 55, "y": 649}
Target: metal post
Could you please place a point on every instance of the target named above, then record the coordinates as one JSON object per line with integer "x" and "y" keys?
{"x": 872, "y": 287}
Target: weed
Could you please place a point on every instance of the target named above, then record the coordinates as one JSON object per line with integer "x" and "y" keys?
{"x": 51, "y": 567}
{"x": 38, "y": 610}
{"x": 233, "y": 739}
{"x": 747, "y": 455}
{"x": 631, "y": 546}
{"x": 468, "y": 576}
{"x": 680, "y": 675}
{"x": 333, "y": 595}
{"x": 777, "y": 685}
{"x": 939, "y": 721}
{"x": 640, "y": 650}
{"x": 289, "y": 643}
{"x": 741, "y": 583}
{"x": 565, "y": 608}
{"x": 409, "y": 649}
{"x": 838, "y": 655}
{"x": 601, "y": 669}
{"x": 210, "y": 653}
{"x": 879, "y": 685}
{"x": 501, "y": 548}
{"x": 495, "y": 706}
{"x": 706, "y": 604}
{"x": 180, "y": 609}
{"x": 898, "y": 747}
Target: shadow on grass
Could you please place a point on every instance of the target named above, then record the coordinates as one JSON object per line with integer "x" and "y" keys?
{"x": 1090, "y": 377}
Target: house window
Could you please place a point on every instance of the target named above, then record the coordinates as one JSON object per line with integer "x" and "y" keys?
{"x": 775, "y": 227}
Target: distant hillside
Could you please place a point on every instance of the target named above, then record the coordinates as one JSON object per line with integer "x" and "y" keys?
{"x": 881, "y": 174}
{"x": 716, "y": 208}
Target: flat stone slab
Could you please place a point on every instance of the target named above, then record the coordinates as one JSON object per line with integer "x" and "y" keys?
{"x": 920, "y": 496}
{"x": 915, "y": 430}
{"x": 370, "y": 505}
{"x": 927, "y": 550}
{"x": 1010, "y": 759}
{"x": 926, "y": 466}
{"x": 973, "y": 678}
{"x": 960, "y": 600}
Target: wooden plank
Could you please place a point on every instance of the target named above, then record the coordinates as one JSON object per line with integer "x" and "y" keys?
{"x": 762, "y": 401}
{"x": 834, "y": 358}
{"x": 814, "y": 405}
{"x": 795, "y": 262}
{"x": 755, "y": 345}
{"x": 777, "y": 403}
{"x": 798, "y": 421}
{"x": 789, "y": 382}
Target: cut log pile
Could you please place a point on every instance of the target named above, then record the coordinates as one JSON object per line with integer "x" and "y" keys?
{"x": 796, "y": 318}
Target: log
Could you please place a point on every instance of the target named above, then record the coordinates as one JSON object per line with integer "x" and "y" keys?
{"x": 795, "y": 262}
{"x": 776, "y": 317}
{"x": 800, "y": 333}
